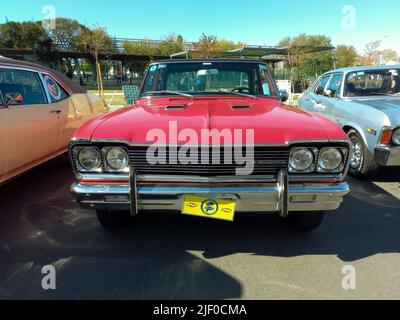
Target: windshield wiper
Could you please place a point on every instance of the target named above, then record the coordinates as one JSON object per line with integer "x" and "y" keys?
{"x": 171, "y": 92}
{"x": 234, "y": 93}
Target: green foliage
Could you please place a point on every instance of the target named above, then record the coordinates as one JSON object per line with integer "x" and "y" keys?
{"x": 309, "y": 64}
{"x": 95, "y": 40}
{"x": 346, "y": 56}
{"x": 374, "y": 56}
{"x": 169, "y": 45}
{"x": 209, "y": 46}
{"x": 67, "y": 32}
{"x": 22, "y": 35}
{"x": 306, "y": 66}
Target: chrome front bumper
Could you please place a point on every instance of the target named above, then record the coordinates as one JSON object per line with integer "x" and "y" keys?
{"x": 270, "y": 197}
{"x": 387, "y": 156}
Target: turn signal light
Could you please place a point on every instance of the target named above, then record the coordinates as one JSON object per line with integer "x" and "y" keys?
{"x": 386, "y": 136}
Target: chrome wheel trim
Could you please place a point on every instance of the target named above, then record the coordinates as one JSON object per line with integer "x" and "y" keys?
{"x": 357, "y": 157}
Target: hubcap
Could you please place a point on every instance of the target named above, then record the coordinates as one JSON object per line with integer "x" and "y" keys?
{"x": 357, "y": 157}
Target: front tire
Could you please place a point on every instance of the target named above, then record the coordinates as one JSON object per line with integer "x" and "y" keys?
{"x": 113, "y": 219}
{"x": 362, "y": 163}
{"x": 306, "y": 221}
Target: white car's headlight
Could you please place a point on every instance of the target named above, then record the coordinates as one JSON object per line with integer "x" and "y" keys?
{"x": 301, "y": 159}
{"x": 117, "y": 159}
{"x": 89, "y": 159}
{"x": 396, "y": 136}
{"x": 330, "y": 159}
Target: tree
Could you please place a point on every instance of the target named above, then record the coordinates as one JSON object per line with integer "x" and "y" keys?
{"x": 96, "y": 41}
{"x": 25, "y": 35}
{"x": 346, "y": 56}
{"x": 389, "y": 56}
{"x": 209, "y": 46}
{"x": 205, "y": 47}
{"x": 374, "y": 56}
{"x": 33, "y": 34}
{"x": 306, "y": 66}
{"x": 67, "y": 32}
{"x": 170, "y": 44}
{"x": 11, "y": 35}
{"x": 143, "y": 47}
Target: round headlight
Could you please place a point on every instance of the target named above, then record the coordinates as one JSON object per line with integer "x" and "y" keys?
{"x": 396, "y": 136}
{"x": 301, "y": 159}
{"x": 89, "y": 159}
{"x": 117, "y": 159}
{"x": 330, "y": 159}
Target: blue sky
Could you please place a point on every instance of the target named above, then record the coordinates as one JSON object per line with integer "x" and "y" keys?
{"x": 259, "y": 22}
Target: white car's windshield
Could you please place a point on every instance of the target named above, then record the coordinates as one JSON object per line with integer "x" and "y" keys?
{"x": 205, "y": 78}
{"x": 372, "y": 82}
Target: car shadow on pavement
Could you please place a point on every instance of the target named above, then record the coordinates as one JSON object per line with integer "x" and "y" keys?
{"x": 41, "y": 224}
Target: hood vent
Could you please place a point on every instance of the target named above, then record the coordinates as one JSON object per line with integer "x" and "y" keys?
{"x": 175, "y": 107}
{"x": 241, "y": 107}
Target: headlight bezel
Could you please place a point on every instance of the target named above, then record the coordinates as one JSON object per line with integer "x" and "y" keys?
{"x": 396, "y": 132}
{"x": 312, "y": 150}
{"x": 340, "y": 168}
{"x": 80, "y": 166}
{"x": 108, "y": 166}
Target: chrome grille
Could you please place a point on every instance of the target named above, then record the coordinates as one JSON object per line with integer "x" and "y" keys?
{"x": 267, "y": 161}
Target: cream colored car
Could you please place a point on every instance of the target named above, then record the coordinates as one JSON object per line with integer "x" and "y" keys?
{"x": 39, "y": 111}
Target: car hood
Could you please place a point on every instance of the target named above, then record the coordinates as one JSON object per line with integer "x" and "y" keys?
{"x": 271, "y": 121}
{"x": 390, "y": 106}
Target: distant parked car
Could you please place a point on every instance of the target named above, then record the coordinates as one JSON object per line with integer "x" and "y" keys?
{"x": 39, "y": 111}
{"x": 365, "y": 102}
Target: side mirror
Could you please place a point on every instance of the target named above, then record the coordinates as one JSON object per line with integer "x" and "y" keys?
{"x": 328, "y": 93}
{"x": 284, "y": 96}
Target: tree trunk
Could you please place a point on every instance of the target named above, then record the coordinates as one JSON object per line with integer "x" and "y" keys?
{"x": 97, "y": 75}
{"x": 99, "y": 78}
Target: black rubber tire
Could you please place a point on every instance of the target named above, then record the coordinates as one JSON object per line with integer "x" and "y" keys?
{"x": 306, "y": 221}
{"x": 368, "y": 167}
{"x": 113, "y": 219}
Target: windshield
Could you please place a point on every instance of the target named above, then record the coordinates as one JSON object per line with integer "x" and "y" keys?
{"x": 221, "y": 78}
{"x": 372, "y": 82}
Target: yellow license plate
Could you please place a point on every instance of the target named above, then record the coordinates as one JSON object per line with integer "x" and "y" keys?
{"x": 222, "y": 209}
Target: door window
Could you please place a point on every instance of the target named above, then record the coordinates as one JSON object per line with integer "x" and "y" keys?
{"x": 322, "y": 85}
{"x": 334, "y": 85}
{"x": 56, "y": 92}
{"x": 18, "y": 87}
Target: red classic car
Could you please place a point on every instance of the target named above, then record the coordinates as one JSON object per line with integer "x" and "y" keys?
{"x": 210, "y": 138}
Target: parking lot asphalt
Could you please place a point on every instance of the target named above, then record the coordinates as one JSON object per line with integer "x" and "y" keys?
{"x": 163, "y": 256}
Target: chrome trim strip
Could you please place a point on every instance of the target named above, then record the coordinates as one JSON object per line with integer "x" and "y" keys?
{"x": 133, "y": 193}
{"x": 310, "y": 197}
{"x": 283, "y": 191}
{"x": 45, "y": 88}
{"x": 77, "y": 188}
{"x": 272, "y": 144}
{"x": 202, "y": 179}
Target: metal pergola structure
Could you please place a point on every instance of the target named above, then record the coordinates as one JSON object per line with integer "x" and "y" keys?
{"x": 270, "y": 54}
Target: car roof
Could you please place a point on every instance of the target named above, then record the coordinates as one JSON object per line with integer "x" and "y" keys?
{"x": 12, "y": 63}
{"x": 219, "y": 60}
{"x": 365, "y": 68}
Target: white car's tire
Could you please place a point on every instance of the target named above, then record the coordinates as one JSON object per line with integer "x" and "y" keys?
{"x": 362, "y": 163}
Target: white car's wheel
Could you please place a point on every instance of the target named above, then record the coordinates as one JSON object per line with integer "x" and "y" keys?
{"x": 362, "y": 163}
